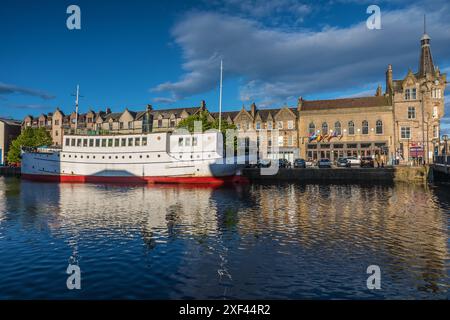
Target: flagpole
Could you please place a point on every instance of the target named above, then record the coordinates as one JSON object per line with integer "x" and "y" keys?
{"x": 220, "y": 96}
{"x": 76, "y": 108}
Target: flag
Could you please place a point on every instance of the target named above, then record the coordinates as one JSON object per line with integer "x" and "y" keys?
{"x": 312, "y": 137}
{"x": 334, "y": 135}
{"x": 319, "y": 138}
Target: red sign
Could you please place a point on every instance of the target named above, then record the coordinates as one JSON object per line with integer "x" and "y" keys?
{"x": 416, "y": 152}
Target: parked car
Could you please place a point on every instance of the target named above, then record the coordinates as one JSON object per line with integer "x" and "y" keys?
{"x": 354, "y": 161}
{"x": 367, "y": 162}
{"x": 324, "y": 163}
{"x": 263, "y": 163}
{"x": 343, "y": 163}
{"x": 309, "y": 163}
{"x": 299, "y": 163}
{"x": 283, "y": 163}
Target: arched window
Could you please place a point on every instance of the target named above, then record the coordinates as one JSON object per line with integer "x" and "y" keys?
{"x": 311, "y": 128}
{"x": 365, "y": 127}
{"x": 324, "y": 128}
{"x": 351, "y": 127}
{"x": 337, "y": 128}
{"x": 379, "y": 127}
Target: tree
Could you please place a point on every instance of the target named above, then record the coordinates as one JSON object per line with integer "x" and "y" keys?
{"x": 30, "y": 137}
{"x": 207, "y": 122}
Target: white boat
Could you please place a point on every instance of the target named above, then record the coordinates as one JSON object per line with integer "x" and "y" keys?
{"x": 144, "y": 158}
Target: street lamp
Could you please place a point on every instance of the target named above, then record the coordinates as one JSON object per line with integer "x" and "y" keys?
{"x": 445, "y": 137}
{"x": 434, "y": 140}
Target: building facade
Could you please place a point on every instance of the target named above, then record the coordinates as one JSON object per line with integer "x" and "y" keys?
{"x": 9, "y": 130}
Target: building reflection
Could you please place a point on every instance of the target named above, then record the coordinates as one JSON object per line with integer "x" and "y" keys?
{"x": 404, "y": 227}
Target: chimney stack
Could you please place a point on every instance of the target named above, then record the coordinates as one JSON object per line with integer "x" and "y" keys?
{"x": 300, "y": 103}
{"x": 389, "y": 80}
{"x": 203, "y": 105}
{"x": 253, "y": 109}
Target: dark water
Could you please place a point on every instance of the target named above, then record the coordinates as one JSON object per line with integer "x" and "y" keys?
{"x": 259, "y": 241}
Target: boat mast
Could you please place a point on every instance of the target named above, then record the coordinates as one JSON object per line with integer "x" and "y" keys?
{"x": 76, "y": 108}
{"x": 220, "y": 96}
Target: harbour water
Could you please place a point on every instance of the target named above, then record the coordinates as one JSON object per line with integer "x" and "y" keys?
{"x": 277, "y": 241}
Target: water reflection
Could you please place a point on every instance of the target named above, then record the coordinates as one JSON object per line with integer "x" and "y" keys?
{"x": 259, "y": 241}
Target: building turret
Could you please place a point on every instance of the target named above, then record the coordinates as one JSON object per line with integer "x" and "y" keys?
{"x": 426, "y": 65}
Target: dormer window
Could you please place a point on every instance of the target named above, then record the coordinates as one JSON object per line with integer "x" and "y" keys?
{"x": 407, "y": 94}
{"x": 258, "y": 125}
{"x": 269, "y": 125}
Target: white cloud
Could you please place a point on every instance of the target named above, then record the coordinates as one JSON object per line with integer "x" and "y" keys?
{"x": 276, "y": 65}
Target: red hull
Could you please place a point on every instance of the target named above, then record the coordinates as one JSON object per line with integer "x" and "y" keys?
{"x": 133, "y": 179}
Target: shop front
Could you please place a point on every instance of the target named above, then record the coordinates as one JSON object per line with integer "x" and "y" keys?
{"x": 333, "y": 151}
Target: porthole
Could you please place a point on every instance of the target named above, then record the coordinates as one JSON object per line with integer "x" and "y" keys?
{"x": 181, "y": 156}
{"x": 140, "y": 156}
{"x": 158, "y": 138}
{"x": 130, "y": 157}
{"x": 64, "y": 155}
{"x": 109, "y": 157}
{"x": 81, "y": 157}
{"x": 87, "y": 157}
{"x": 70, "y": 156}
{"x": 75, "y": 156}
{"x": 191, "y": 156}
{"x": 149, "y": 156}
{"x": 93, "y": 157}
{"x": 123, "y": 157}
{"x": 159, "y": 156}
{"x": 117, "y": 157}
{"x": 103, "y": 157}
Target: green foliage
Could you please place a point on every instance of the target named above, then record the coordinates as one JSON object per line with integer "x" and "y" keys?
{"x": 207, "y": 122}
{"x": 30, "y": 137}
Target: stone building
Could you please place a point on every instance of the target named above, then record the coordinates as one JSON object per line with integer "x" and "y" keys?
{"x": 256, "y": 129}
{"x": 9, "y": 130}
{"x": 403, "y": 123}
{"x": 345, "y": 127}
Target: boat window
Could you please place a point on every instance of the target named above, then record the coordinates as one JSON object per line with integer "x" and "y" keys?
{"x": 124, "y": 142}
{"x": 144, "y": 141}
{"x": 85, "y": 143}
{"x": 194, "y": 141}
{"x": 91, "y": 142}
{"x": 110, "y": 142}
{"x": 180, "y": 142}
{"x": 137, "y": 142}
{"x": 116, "y": 142}
{"x": 103, "y": 142}
{"x": 78, "y": 142}
{"x": 67, "y": 142}
{"x": 97, "y": 142}
{"x": 130, "y": 142}
{"x": 187, "y": 142}
{"x": 72, "y": 143}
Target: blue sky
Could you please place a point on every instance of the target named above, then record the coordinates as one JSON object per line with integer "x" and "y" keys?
{"x": 132, "y": 53}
